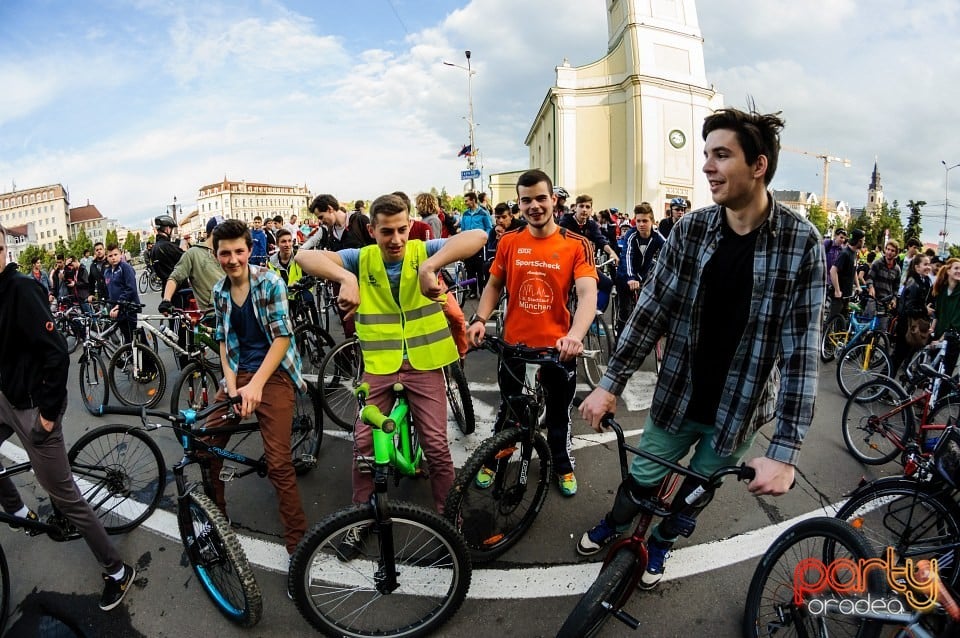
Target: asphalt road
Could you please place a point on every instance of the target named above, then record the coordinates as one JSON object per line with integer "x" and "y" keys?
{"x": 529, "y": 592}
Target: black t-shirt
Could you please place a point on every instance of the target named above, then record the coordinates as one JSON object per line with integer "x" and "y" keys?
{"x": 846, "y": 265}
{"x": 726, "y": 287}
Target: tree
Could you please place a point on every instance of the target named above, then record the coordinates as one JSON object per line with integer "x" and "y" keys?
{"x": 60, "y": 248}
{"x": 132, "y": 244}
{"x": 26, "y": 258}
{"x": 80, "y": 243}
{"x": 913, "y": 220}
{"x": 111, "y": 238}
{"x": 888, "y": 219}
{"x": 818, "y": 217}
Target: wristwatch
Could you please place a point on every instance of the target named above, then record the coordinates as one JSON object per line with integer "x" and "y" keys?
{"x": 475, "y": 318}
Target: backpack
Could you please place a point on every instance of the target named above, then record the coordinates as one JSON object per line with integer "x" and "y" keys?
{"x": 356, "y": 234}
{"x": 448, "y": 226}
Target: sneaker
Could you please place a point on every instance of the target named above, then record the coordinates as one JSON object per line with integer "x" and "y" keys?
{"x": 484, "y": 478}
{"x": 568, "y": 484}
{"x": 115, "y": 590}
{"x": 352, "y": 543}
{"x": 657, "y": 554}
{"x": 31, "y": 516}
{"x": 595, "y": 539}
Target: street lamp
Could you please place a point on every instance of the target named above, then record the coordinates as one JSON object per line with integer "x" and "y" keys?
{"x": 946, "y": 196}
{"x": 471, "y": 161}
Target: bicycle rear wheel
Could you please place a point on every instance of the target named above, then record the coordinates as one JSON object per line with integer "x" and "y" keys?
{"x": 918, "y": 520}
{"x": 833, "y": 338}
{"x": 597, "y": 346}
{"x": 195, "y": 389}
{"x": 141, "y": 384}
{"x": 876, "y": 421}
{"x": 120, "y": 472}
{"x": 306, "y": 435}
{"x": 459, "y": 399}
{"x": 771, "y": 610}
{"x": 70, "y": 332}
{"x": 142, "y": 282}
{"x": 853, "y": 369}
{"x": 94, "y": 386}
{"x": 340, "y": 373}
{"x": 343, "y": 595}
{"x": 495, "y": 518}
{"x": 218, "y": 560}
{"x": 612, "y": 587}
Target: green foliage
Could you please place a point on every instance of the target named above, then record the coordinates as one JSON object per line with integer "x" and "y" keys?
{"x": 80, "y": 243}
{"x": 132, "y": 244}
{"x": 60, "y": 248}
{"x": 875, "y": 227}
{"x": 26, "y": 258}
{"x": 818, "y": 217}
{"x": 955, "y": 250}
{"x": 111, "y": 238}
{"x": 913, "y": 220}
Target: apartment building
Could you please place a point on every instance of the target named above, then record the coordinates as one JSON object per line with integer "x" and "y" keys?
{"x": 47, "y": 208}
{"x": 245, "y": 200}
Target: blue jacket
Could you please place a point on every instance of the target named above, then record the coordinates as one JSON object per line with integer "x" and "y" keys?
{"x": 476, "y": 218}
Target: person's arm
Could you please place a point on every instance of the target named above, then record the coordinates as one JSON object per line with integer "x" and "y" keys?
{"x": 835, "y": 280}
{"x": 328, "y": 265}
{"x": 459, "y": 247}
{"x": 252, "y": 392}
{"x": 571, "y": 344}
{"x": 45, "y": 343}
{"x": 485, "y": 307}
{"x": 229, "y": 376}
{"x": 799, "y": 365}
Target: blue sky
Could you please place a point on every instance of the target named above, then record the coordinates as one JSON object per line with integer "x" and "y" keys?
{"x": 130, "y": 102}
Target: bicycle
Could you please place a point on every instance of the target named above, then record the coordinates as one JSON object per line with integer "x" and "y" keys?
{"x": 381, "y": 568}
{"x": 212, "y": 548}
{"x": 119, "y": 473}
{"x": 864, "y": 353}
{"x": 793, "y": 593}
{"x": 879, "y": 418}
{"x": 493, "y": 519}
{"x": 149, "y": 279}
{"x": 94, "y": 385}
{"x": 838, "y": 329}
{"x": 626, "y": 559}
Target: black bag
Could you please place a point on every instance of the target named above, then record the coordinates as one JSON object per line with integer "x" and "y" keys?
{"x": 918, "y": 331}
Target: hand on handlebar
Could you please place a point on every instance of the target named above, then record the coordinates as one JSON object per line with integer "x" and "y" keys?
{"x": 773, "y": 477}
{"x": 598, "y": 404}
{"x": 569, "y": 347}
{"x": 165, "y": 307}
{"x": 475, "y": 333}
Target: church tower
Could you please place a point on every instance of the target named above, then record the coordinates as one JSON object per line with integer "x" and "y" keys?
{"x": 874, "y": 192}
{"x": 626, "y": 128}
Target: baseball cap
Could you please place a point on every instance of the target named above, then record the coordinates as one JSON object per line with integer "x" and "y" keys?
{"x": 213, "y": 222}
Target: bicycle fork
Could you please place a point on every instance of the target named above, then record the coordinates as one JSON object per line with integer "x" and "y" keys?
{"x": 385, "y": 577}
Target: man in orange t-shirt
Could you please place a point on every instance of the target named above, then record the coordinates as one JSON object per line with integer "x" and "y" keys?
{"x": 538, "y": 265}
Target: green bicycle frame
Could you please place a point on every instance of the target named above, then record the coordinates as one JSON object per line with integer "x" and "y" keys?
{"x": 392, "y": 443}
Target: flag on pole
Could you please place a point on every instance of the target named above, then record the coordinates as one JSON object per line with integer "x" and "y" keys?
{"x": 466, "y": 151}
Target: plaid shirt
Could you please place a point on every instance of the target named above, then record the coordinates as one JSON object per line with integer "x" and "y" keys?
{"x": 781, "y": 336}
{"x": 270, "y": 305}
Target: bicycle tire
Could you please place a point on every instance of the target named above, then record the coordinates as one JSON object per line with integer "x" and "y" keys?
{"x": 4, "y": 591}
{"x": 850, "y": 372}
{"x": 120, "y": 472}
{"x": 925, "y": 514}
{"x": 770, "y": 608}
{"x": 218, "y": 560}
{"x": 612, "y": 586}
{"x": 340, "y": 373}
{"x": 195, "y": 389}
{"x": 596, "y": 340}
{"x": 494, "y": 519}
{"x": 312, "y": 343}
{"x": 142, "y": 282}
{"x": 460, "y": 274}
{"x": 830, "y": 341}
{"x": 501, "y": 315}
{"x": 306, "y": 433}
{"x": 94, "y": 385}
{"x": 459, "y": 398}
{"x": 156, "y": 284}
{"x": 426, "y": 546}
{"x": 948, "y": 407}
{"x": 66, "y": 328}
{"x": 875, "y": 427}
{"x": 143, "y": 388}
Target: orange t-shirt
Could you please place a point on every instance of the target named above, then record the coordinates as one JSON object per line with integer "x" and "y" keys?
{"x": 538, "y": 274}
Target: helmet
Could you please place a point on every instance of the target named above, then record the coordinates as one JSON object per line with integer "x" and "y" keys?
{"x": 164, "y": 221}
{"x": 678, "y": 202}
{"x": 561, "y": 192}
{"x": 614, "y": 211}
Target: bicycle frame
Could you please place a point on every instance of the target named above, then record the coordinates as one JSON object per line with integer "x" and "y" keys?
{"x": 394, "y": 441}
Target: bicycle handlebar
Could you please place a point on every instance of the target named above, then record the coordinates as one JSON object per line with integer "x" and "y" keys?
{"x": 372, "y": 416}
{"x": 519, "y": 351}
{"x": 143, "y": 412}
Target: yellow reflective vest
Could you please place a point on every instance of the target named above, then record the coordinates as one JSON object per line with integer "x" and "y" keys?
{"x": 417, "y": 326}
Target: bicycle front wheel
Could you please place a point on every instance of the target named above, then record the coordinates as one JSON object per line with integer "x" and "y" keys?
{"x": 918, "y": 520}
{"x": 94, "y": 387}
{"x": 218, "y": 560}
{"x": 833, "y": 338}
{"x": 156, "y": 284}
{"x": 142, "y": 282}
{"x": 609, "y": 591}
{"x": 856, "y": 367}
{"x": 306, "y": 435}
{"x": 771, "y": 608}
{"x": 137, "y": 375}
{"x": 877, "y": 421}
{"x": 312, "y": 342}
{"x": 459, "y": 399}
{"x": 343, "y": 594}
{"x": 340, "y": 373}
{"x": 597, "y": 345}
{"x": 120, "y": 472}
{"x": 493, "y": 518}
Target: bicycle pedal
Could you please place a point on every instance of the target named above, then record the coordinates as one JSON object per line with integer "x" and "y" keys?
{"x": 308, "y": 460}
{"x": 228, "y": 473}
{"x": 365, "y": 464}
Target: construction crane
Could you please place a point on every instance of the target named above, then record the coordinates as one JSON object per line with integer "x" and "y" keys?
{"x": 826, "y": 169}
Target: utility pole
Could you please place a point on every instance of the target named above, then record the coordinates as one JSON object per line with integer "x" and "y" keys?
{"x": 946, "y": 196}
{"x": 471, "y": 157}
